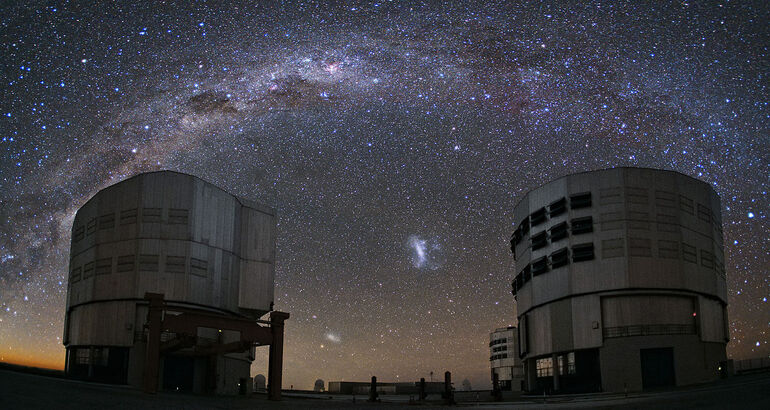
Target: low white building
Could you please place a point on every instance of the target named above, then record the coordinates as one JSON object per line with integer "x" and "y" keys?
{"x": 504, "y": 359}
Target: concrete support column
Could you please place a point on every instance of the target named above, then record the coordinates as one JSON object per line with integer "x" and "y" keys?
{"x": 154, "y": 321}
{"x": 275, "y": 369}
{"x": 555, "y": 367}
{"x": 530, "y": 374}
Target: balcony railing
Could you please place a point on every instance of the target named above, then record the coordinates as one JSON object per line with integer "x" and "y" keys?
{"x": 649, "y": 330}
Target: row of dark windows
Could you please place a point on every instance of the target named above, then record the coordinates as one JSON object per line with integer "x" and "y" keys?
{"x": 663, "y": 199}
{"x": 565, "y": 364}
{"x": 498, "y": 341}
{"x": 580, "y": 253}
{"x": 560, "y": 231}
{"x": 144, "y": 263}
{"x": 634, "y": 195}
{"x": 498, "y": 356}
{"x": 502, "y": 348}
{"x": 128, "y": 217}
{"x": 648, "y": 330}
{"x": 558, "y": 207}
{"x": 92, "y": 355}
{"x": 614, "y": 248}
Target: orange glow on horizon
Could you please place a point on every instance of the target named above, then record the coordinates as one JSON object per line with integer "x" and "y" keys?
{"x": 40, "y": 362}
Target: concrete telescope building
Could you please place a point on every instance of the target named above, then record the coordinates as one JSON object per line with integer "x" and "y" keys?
{"x": 169, "y": 276}
{"x": 620, "y": 282}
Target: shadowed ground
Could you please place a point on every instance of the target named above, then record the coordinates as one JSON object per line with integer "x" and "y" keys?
{"x": 31, "y": 391}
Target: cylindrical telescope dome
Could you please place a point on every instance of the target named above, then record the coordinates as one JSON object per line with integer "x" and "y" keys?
{"x": 167, "y": 233}
{"x": 620, "y": 281}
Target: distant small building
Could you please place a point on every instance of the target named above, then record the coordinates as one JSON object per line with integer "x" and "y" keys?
{"x": 319, "y": 386}
{"x": 260, "y": 383}
{"x": 504, "y": 359}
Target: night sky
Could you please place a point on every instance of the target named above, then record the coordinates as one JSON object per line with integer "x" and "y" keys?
{"x": 393, "y": 140}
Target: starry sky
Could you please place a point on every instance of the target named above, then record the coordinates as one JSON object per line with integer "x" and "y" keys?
{"x": 392, "y": 138}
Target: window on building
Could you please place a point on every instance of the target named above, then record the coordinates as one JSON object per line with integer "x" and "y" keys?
{"x": 538, "y": 217}
{"x": 91, "y": 226}
{"x": 666, "y": 218}
{"x": 539, "y": 240}
{"x": 178, "y": 216}
{"x": 513, "y": 245}
{"x": 689, "y": 253}
{"x": 126, "y": 263}
{"x": 107, "y": 221}
{"x": 526, "y": 273}
{"x": 613, "y": 248}
{"x": 668, "y": 249}
{"x": 148, "y": 263}
{"x": 151, "y": 215}
{"x": 539, "y": 266}
{"x": 637, "y": 195}
{"x": 686, "y": 205}
{"x": 559, "y": 258}
{"x": 580, "y": 200}
{"x": 79, "y": 233}
{"x": 175, "y": 264}
{"x": 557, "y": 207}
{"x": 516, "y": 237}
{"x": 515, "y": 284}
{"x": 558, "y": 232}
{"x": 101, "y": 356}
{"x": 544, "y": 367}
{"x": 610, "y": 196}
{"x": 706, "y": 259}
{"x": 98, "y": 356}
{"x": 570, "y": 368}
{"x": 582, "y": 225}
{"x": 88, "y": 270}
{"x": 611, "y": 220}
{"x": 103, "y": 266}
{"x": 75, "y": 274}
{"x": 83, "y": 356}
{"x": 524, "y": 226}
{"x": 704, "y": 214}
{"x": 199, "y": 267}
{"x": 128, "y": 216}
{"x": 639, "y": 247}
{"x": 583, "y": 252}
{"x": 665, "y": 199}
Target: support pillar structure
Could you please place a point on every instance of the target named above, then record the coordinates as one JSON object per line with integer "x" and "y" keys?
{"x": 275, "y": 369}
{"x": 183, "y": 324}
{"x": 152, "y": 360}
{"x": 556, "y": 371}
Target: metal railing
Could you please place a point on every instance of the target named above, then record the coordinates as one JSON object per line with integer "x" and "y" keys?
{"x": 648, "y": 330}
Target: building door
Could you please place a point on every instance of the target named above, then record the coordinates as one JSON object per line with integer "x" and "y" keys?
{"x": 657, "y": 367}
{"x": 178, "y": 373}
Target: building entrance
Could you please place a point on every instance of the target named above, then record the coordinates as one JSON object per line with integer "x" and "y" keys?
{"x": 657, "y": 367}
{"x": 178, "y": 373}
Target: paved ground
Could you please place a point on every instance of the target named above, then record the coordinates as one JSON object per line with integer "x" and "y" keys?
{"x": 29, "y": 391}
